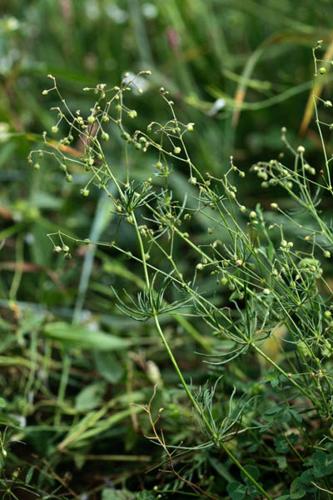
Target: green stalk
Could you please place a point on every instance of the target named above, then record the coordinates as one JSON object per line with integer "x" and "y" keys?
{"x": 183, "y": 382}
{"x": 66, "y": 366}
{"x": 281, "y": 370}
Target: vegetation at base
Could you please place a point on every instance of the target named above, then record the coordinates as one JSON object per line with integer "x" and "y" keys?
{"x": 166, "y": 239}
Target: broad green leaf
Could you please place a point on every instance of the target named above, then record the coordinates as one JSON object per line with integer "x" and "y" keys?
{"x": 113, "y": 494}
{"x": 108, "y": 366}
{"x": 81, "y": 337}
{"x": 90, "y": 397}
{"x": 237, "y": 491}
{"x": 297, "y": 489}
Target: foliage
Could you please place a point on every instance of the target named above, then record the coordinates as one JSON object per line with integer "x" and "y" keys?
{"x": 173, "y": 336}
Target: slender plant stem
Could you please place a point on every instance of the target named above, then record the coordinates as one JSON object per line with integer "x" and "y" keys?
{"x": 66, "y": 366}
{"x": 282, "y": 371}
{"x": 187, "y": 389}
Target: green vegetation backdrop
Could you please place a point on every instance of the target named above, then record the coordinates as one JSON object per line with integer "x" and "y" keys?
{"x": 91, "y": 406}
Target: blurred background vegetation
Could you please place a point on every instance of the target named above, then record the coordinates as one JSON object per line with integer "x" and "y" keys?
{"x": 239, "y": 69}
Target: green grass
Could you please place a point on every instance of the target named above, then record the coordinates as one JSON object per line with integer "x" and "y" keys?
{"x": 191, "y": 357}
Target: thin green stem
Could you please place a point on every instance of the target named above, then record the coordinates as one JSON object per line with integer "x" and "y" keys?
{"x": 282, "y": 371}
{"x": 187, "y": 389}
{"x": 245, "y": 472}
{"x": 66, "y": 366}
